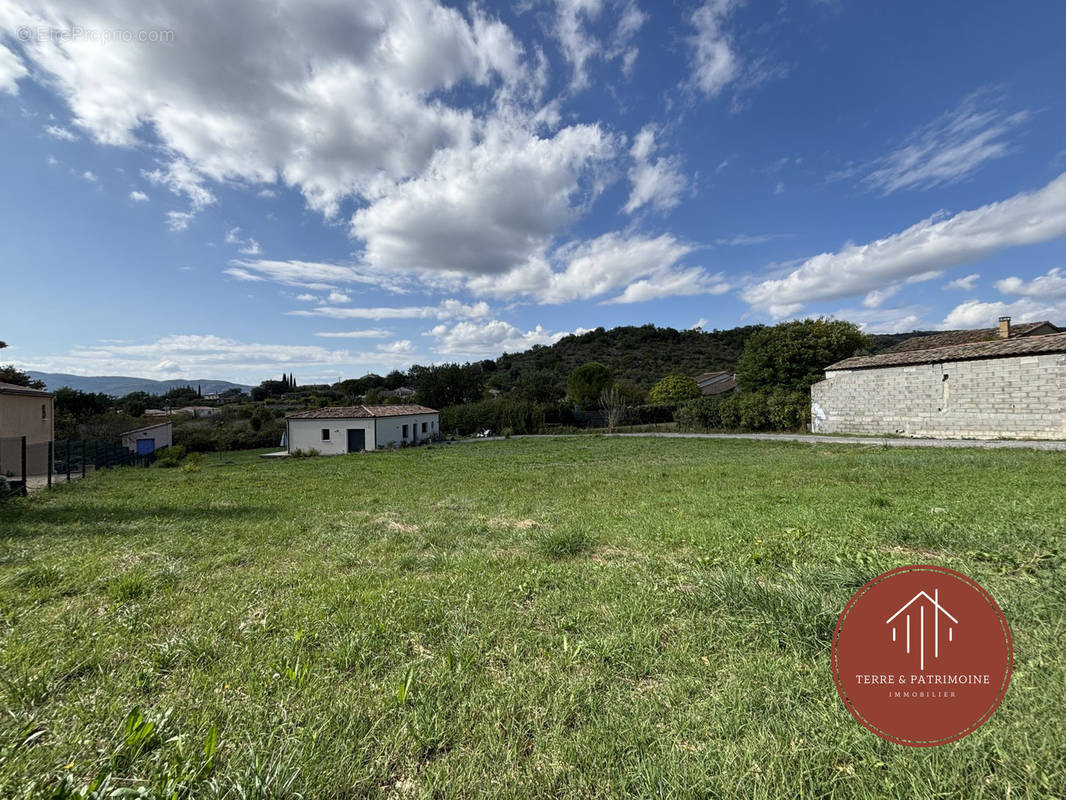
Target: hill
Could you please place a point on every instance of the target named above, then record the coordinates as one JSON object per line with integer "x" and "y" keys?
{"x": 119, "y": 386}
{"x": 640, "y": 354}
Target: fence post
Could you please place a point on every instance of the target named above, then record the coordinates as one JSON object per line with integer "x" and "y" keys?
{"x": 50, "y": 464}
{"x": 68, "y": 460}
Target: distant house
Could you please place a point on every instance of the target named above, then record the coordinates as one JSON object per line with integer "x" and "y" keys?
{"x": 198, "y": 411}
{"x": 148, "y": 439}
{"x": 712, "y": 383}
{"x": 156, "y": 412}
{"x": 351, "y": 429}
{"x": 402, "y": 393}
{"x": 1010, "y": 386}
{"x": 26, "y": 412}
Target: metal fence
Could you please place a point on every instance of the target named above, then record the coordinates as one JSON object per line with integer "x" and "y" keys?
{"x": 26, "y": 465}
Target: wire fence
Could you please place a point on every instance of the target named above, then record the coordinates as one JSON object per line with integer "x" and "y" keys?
{"x": 30, "y": 465}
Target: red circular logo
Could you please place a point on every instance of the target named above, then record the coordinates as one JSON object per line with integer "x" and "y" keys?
{"x": 922, "y": 655}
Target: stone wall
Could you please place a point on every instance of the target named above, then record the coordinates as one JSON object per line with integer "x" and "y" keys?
{"x": 1020, "y": 397}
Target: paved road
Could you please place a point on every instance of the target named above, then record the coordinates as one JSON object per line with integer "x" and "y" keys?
{"x": 816, "y": 439}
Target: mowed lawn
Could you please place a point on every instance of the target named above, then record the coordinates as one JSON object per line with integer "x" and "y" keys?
{"x": 584, "y": 617}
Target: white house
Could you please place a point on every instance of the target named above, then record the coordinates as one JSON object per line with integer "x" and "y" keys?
{"x": 148, "y": 439}
{"x": 350, "y": 429}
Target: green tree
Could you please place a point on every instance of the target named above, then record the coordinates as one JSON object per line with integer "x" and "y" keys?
{"x": 793, "y": 355}
{"x": 10, "y": 374}
{"x": 674, "y": 389}
{"x": 587, "y": 382}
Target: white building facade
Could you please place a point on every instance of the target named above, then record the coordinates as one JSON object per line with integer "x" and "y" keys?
{"x": 352, "y": 429}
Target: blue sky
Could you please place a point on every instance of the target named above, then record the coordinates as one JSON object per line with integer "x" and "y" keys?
{"x": 233, "y": 190}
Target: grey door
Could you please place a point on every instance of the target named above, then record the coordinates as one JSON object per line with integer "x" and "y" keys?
{"x": 356, "y": 440}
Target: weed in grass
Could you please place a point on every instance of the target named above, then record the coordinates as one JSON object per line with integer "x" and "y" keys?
{"x": 133, "y": 585}
{"x": 564, "y": 544}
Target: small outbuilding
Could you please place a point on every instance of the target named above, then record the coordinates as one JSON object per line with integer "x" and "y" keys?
{"x": 351, "y": 429}
{"x": 146, "y": 440}
{"x": 1010, "y": 386}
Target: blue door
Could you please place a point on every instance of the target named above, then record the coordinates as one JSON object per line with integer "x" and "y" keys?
{"x": 145, "y": 446}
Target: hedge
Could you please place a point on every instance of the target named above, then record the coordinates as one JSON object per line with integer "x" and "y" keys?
{"x": 776, "y": 410}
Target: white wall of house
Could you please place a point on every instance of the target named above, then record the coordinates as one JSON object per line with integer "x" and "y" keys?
{"x": 1021, "y": 397}
{"x": 330, "y": 436}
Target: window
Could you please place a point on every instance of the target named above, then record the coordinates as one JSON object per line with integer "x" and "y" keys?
{"x": 325, "y": 434}
{"x": 44, "y": 410}
{"x": 404, "y": 431}
{"x": 423, "y": 427}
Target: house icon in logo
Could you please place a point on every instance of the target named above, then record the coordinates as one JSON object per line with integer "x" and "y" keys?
{"x": 909, "y": 609}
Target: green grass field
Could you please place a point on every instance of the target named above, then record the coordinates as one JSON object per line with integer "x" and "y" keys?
{"x": 585, "y": 617}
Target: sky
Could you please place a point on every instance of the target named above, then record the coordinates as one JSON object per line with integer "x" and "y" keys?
{"x": 329, "y": 188}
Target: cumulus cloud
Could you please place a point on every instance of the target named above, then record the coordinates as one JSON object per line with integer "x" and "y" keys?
{"x": 901, "y": 319}
{"x": 1050, "y": 285}
{"x": 11, "y": 70}
{"x": 934, "y": 243}
{"x": 398, "y": 347}
{"x": 603, "y": 265}
{"x": 466, "y": 213}
{"x": 657, "y": 183}
{"x": 179, "y": 220}
{"x": 714, "y": 62}
{"x": 947, "y": 150}
{"x": 978, "y": 314}
{"x": 390, "y": 59}
{"x": 138, "y": 197}
{"x": 491, "y": 338}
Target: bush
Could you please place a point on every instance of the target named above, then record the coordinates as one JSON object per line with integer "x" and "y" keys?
{"x": 776, "y": 410}
{"x": 649, "y": 414}
{"x": 674, "y": 389}
{"x": 500, "y": 414}
{"x": 171, "y": 457}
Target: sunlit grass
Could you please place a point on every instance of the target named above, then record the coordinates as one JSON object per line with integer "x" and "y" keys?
{"x": 557, "y": 617}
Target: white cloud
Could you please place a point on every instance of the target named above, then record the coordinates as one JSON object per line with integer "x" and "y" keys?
{"x": 657, "y": 183}
{"x": 947, "y": 150}
{"x": 934, "y": 243}
{"x": 179, "y": 220}
{"x": 311, "y": 274}
{"x": 368, "y": 333}
{"x": 978, "y": 314}
{"x": 393, "y": 60}
{"x": 138, "y": 197}
{"x": 336, "y": 298}
{"x": 714, "y": 62}
{"x": 600, "y": 266}
{"x": 89, "y": 176}
{"x": 886, "y": 320}
{"x": 484, "y": 339}
{"x": 744, "y": 239}
{"x": 967, "y": 283}
{"x": 60, "y": 133}
{"x": 448, "y": 309}
{"x": 251, "y": 247}
{"x": 1050, "y": 285}
{"x": 487, "y": 208}
{"x": 11, "y": 70}
{"x": 700, "y": 324}
{"x": 52, "y": 161}
{"x": 307, "y": 298}
{"x": 398, "y": 347}
{"x": 780, "y": 188}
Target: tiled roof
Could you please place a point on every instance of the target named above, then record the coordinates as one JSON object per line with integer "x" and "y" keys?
{"x": 148, "y": 428}
{"x": 999, "y": 348}
{"x": 948, "y": 338}
{"x": 362, "y": 412}
{"x": 712, "y": 383}
{"x": 12, "y": 388}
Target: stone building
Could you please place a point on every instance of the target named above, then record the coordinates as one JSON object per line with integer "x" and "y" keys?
{"x": 1010, "y": 386}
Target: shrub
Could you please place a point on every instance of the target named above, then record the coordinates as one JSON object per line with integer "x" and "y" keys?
{"x": 499, "y": 414}
{"x": 674, "y": 389}
{"x": 171, "y": 457}
{"x": 776, "y": 410}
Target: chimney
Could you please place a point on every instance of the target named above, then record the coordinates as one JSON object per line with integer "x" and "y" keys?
{"x": 1004, "y": 327}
